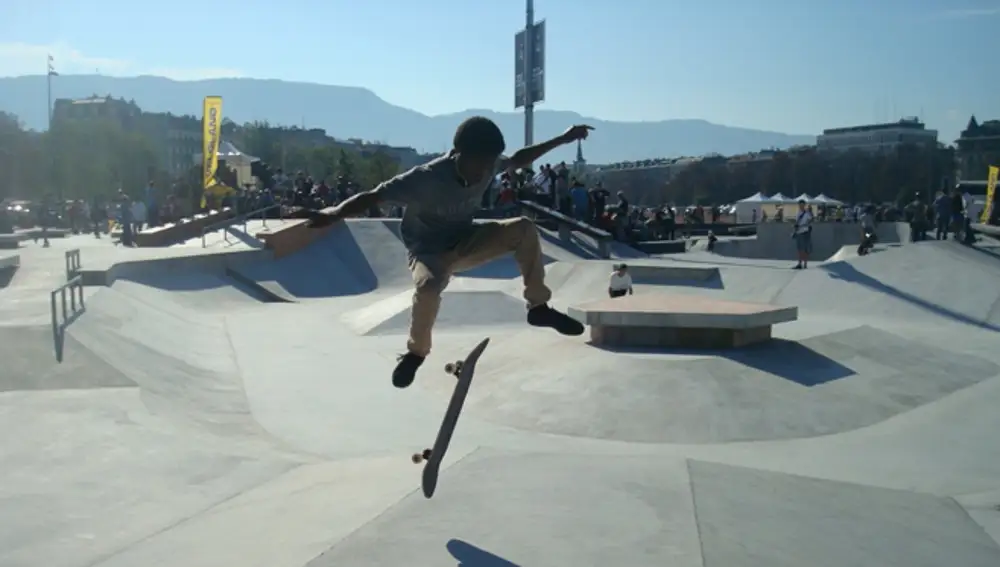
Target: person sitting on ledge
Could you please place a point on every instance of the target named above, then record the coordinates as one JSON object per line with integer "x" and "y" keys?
{"x": 620, "y": 283}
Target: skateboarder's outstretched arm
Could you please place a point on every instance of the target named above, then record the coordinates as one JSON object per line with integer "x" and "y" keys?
{"x": 404, "y": 189}
{"x": 528, "y": 155}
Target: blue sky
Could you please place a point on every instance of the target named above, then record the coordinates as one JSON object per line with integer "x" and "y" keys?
{"x": 787, "y": 65}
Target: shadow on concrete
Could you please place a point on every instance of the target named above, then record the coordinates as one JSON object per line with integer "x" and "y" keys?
{"x": 469, "y": 555}
{"x": 785, "y": 359}
{"x": 848, "y": 273}
{"x": 576, "y": 246}
{"x": 792, "y": 361}
{"x": 6, "y": 276}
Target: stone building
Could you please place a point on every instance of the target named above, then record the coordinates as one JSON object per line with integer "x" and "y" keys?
{"x": 978, "y": 148}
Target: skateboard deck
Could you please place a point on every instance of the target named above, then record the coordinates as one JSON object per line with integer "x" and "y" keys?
{"x": 463, "y": 370}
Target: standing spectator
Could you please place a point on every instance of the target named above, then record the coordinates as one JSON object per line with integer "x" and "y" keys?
{"x": 803, "y": 235}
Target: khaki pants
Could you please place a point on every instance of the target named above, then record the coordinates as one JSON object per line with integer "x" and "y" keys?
{"x": 487, "y": 242}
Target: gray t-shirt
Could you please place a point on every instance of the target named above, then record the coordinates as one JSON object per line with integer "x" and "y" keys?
{"x": 868, "y": 221}
{"x": 440, "y": 206}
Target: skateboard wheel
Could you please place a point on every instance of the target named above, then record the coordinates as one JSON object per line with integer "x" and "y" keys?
{"x": 422, "y": 456}
{"x": 416, "y": 458}
{"x": 449, "y": 368}
{"x": 426, "y": 454}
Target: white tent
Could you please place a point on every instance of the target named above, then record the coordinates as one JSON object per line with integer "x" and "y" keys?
{"x": 778, "y": 199}
{"x": 824, "y": 200}
{"x": 745, "y": 207}
{"x": 756, "y": 198}
{"x": 234, "y": 156}
{"x": 805, "y": 197}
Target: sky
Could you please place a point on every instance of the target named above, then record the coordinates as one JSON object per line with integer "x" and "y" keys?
{"x": 795, "y": 66}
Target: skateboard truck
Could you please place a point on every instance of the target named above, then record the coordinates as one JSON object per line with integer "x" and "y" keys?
{"x": 422, "y": 456}
{"x": 454, "y": 368}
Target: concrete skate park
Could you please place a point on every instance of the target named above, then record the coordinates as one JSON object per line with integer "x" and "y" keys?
{"x": 230, "y": 405}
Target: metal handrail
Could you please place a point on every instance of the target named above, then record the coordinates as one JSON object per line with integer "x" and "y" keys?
{"x": 72, "y": 263}
{"x": 243, "y": 219}
{"x": 69, "y": 310}
{"x": 565, "y": 219}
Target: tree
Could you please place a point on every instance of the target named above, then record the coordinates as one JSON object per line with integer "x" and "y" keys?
{"x": 380, "y": 166}
{"x": 84, "y": 158}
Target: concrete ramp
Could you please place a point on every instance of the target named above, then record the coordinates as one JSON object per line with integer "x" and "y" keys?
{"x": 353, "y": 258}
{"x": 29, "y": 364}
{"x": 926, "y": 282}
{"x": 181, "y": 359}
{"x": 774, "y": 240}
{"x": 796, "y": 521}
{"x": 460, "y": 310}
{"x": 203, "y": 292}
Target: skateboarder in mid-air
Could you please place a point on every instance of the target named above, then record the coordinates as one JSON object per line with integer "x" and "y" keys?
{"x": 437, "y": 229}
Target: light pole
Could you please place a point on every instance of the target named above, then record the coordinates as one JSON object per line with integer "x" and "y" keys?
{"x": 48, "y": 84}
{"x": 529, "y": 69}
{"x": 529, "y": 66}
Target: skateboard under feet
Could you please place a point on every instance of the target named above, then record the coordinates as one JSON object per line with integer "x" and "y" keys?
{"x": 463, "y": 370}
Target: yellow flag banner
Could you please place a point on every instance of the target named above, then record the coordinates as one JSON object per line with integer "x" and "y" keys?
{"x": 991, "y": 189}
{"x": 211, "y": 136}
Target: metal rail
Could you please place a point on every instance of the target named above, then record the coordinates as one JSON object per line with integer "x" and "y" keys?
{"x": 238, "y": 219}
{"x": 72, "y": 263}
{"x": 66, "y": 302}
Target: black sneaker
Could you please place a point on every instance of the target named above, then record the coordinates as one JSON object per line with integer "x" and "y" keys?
{"x": 406, "y": 369}
{"x": 545, "y": 316}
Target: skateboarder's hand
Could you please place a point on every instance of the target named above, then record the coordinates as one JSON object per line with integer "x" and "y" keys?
{"x": 319, "y": 219}
{"x": 578, "y": 132}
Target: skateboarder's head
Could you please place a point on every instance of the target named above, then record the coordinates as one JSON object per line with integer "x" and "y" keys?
{"x": 478, "y": 144}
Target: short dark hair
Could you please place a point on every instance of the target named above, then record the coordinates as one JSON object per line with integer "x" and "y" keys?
{"x": 479, "y": 136}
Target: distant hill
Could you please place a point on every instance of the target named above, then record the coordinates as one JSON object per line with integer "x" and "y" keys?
{"x": 353, "y": 112}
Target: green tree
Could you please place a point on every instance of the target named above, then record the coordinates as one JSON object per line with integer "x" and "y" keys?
{"x": 380, "y": 166}
{"x": 346, "y": 165}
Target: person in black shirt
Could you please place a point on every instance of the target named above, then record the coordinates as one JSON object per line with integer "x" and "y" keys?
{"x": 599, "y": 196}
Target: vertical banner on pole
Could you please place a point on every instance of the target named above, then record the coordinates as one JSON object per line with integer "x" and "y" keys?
{"x": 535, "y": 77}
{"x": 211, "y": 128}
{"x": 991, "y": 190}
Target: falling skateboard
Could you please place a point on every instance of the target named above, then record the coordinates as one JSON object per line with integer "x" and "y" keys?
{"x": 463, "y": 370}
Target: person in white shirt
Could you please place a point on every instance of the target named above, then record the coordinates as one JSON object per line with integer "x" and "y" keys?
{"x": 620, "y": 282}
{"x": 803, "y": 235}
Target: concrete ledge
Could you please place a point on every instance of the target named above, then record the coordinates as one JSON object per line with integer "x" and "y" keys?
{"x": 611, "y": 335}
{"x": 662, "y": 246}
{"x": 10, "y": 261}
{"x": 986, "y": 229}
{"x": 291, "y": 237}
{"x": 171, "y": 234}
{"x": 138, "y": 269}
{"x": 679, "y": 321}
{"x": 10, "y": 241}
{"x": 36, "y": 232}
{"x": 642, "y": 273}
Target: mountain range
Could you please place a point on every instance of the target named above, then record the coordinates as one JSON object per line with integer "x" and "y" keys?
{"x": 354, "y": 112}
